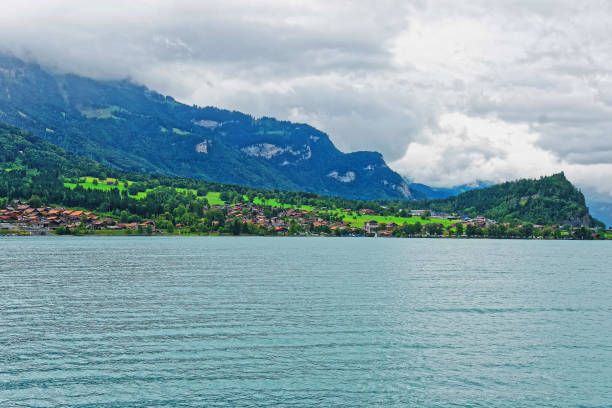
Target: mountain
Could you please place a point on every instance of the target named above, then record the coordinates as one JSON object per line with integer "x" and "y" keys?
{"x": 547, "y": 200}
{"x": 30, "y": 166}
{"x": 602, "y": 211}
{"x": 421, "y": 191}
{"x": 126, "y": 126}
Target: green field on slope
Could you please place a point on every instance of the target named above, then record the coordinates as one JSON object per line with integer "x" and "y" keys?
{"x": 359, "y": 220}
{"x": 214, "y": 198}
{"x": 89, "y": 183}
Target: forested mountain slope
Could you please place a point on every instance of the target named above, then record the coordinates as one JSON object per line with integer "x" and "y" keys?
{"x": 31, "y": 166}
{"x": 129, "y": 127}
{"x": 547, "y": 200}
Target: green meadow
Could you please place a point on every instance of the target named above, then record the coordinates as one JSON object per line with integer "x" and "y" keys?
{"x": 92, "y": 183}
{"x": 274, "y": 203}
{"x": 88, "y": 183}
{"x": 359, "y": 220}
{"x": 214, "y": 198}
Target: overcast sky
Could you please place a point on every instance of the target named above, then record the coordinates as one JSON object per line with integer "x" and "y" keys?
{"x": 449, "y": 91}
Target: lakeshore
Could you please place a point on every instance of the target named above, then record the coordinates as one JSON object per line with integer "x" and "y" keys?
{"x": 21, "y": 218}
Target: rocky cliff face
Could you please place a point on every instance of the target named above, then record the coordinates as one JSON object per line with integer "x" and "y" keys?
{"x": 584, "y": 221}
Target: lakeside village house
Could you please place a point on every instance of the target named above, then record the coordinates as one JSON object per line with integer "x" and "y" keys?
{"x": 252, "y": 213}
{"x": 19, "y": 216}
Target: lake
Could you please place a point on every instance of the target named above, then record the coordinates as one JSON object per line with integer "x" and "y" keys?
{"x": 245, "y": 321}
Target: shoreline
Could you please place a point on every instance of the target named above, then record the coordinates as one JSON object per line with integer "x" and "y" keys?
{"x": 52, "y": 235}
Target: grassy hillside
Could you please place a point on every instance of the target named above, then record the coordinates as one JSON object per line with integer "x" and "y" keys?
{"x": 214, "y": 198}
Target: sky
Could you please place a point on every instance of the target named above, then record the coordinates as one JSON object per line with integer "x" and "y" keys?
{"x": 450, "y": 92}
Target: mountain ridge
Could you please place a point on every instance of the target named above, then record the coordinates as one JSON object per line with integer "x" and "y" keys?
{"x": 433, "y": 193}
{"x": 129, "y": 127}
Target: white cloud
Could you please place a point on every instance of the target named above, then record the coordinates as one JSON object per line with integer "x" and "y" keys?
{"x": 464, "y": 149}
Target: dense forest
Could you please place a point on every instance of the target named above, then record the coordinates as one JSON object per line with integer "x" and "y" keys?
{"x": 547, "y": 200}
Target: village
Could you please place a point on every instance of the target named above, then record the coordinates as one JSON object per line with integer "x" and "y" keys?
{"x": 21, "y": 217}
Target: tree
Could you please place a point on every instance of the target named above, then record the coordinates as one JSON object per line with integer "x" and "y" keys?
{"x": 124, "y": 216}
{"x": 470, "y": 230}
{"x": 236, "y": 227}
{"x": 61, "y": 230}
{"x": 179, "y": 211}
{"x": 459, "y": 229}
{"x": 197, "y": 207}
{"x": 433, "y": 229}
{"x": 583, "y": 233}
{"x": 35, "y": 201}
{"x": 293, "y": 227}
{"x": 135, "y": 188}
{"x": 527, "y": 230}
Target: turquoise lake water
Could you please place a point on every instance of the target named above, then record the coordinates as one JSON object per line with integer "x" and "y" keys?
{"x": 202, "y": 322}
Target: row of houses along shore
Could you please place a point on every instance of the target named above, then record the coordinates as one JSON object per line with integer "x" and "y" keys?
{"x": 20, "y": 216}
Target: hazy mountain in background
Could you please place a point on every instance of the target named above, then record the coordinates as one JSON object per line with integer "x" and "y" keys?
{"x": 601, "y": 211}
{"x": 423, "y": 191}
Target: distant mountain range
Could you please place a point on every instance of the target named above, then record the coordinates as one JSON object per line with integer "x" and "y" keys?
{"x": 423, "y": 191}
{"x": 601, "y": 211}
{"x": 129, "y": 127}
